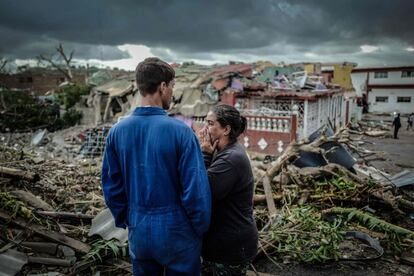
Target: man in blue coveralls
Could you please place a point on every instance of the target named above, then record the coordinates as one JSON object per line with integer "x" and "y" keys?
{"x": 154, "y": 180}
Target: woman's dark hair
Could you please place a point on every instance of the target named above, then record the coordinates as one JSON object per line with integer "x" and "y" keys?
{"x": 150, "y": 73}
{"x": 228, "y": 115}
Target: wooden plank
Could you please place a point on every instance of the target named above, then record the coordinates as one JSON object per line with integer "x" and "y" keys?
{"x": 269, "y": 196}
{"x": 50, "y": 261}
{"x": 47, "y": 234}
{"x": 262, "y": 198}
{"x": 65, "y": 215}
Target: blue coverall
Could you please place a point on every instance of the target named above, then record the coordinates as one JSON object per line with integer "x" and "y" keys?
{"x": 155, "y": 183}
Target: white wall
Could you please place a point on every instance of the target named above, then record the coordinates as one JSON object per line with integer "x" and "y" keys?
{"x": 394, "y": 77}
{"x": 358, "y": 81}
{"x": 392, "y": 104}
{"x": 312, "y": 118}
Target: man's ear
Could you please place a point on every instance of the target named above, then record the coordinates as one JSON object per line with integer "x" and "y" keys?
{"x": 162, "y": 87}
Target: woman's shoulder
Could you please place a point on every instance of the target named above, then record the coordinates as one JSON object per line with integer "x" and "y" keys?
{"x": 236, "y": 154}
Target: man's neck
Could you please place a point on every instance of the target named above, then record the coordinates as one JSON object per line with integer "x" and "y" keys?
{"x": 151, "y": 100}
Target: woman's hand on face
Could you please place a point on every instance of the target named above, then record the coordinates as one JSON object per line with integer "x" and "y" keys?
{"x": 205, "y": 141}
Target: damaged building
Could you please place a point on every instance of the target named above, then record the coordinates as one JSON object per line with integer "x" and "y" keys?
{"x": 281, "y": 103}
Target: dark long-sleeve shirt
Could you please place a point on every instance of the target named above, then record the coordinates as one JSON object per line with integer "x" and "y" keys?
{"x": 232, "y": 236}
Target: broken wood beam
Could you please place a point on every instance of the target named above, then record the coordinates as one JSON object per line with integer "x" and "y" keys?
{"x": 262, "y": 198}
{"x": 31, "y": 200}
{"x": 19, "y": 174}
{"x": 65, "y": 215}
{"x": 41, "y": 247}
{"x": 47, "y": 234}
{"x": 269, "y": 196}
{"x": 50, "y": 261}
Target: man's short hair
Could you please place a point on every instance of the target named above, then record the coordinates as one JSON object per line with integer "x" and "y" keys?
{"x": 150, "y": 73}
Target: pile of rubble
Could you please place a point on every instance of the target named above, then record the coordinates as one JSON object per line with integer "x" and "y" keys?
{"x": 72, "y": 143}
{"x": 313, "y": 204}
{"x": 372, "y": 128}
{"x": 47, "y": 211}
{"x": 315, "y": 197}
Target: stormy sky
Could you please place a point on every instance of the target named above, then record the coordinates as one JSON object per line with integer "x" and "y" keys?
{"x": 121, "y": 33}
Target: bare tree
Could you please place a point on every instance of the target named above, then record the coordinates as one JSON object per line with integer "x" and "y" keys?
{"x": 3, "y": 63}
{"x": 56, "y": 61}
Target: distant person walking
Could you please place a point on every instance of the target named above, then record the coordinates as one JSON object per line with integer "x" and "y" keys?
{"x": 410, "y": 121}
{"x": 396, "y": 124}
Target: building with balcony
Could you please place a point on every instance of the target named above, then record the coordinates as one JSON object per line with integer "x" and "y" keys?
{"x": 385, "y": 89}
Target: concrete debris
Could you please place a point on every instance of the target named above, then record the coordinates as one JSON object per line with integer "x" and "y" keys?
{"x": 38, "y": 137}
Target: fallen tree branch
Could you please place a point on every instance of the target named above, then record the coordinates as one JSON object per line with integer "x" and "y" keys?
{"x": 65, "y": 215}
{"x": 369, "y": 220}
{"x": 19, "y": 174}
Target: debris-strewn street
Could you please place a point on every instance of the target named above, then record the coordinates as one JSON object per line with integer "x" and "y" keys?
{"x": 319, "y": 210}
{"x": 207, "y": 138}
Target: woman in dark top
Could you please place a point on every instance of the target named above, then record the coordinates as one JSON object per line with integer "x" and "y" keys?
{"x": 230, "y": 244}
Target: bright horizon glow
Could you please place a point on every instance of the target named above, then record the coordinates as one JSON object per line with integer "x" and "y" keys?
{"x": 368, "y": 48}
{"x": 137, "y": 54}
{"x": 311, "y": 55}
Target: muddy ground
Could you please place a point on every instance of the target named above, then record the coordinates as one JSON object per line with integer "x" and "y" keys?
{"x": 399, "y": 154}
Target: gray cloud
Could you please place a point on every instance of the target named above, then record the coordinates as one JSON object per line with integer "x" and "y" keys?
{"x": 201, "y": 29}
{"x": 24, "y": 45}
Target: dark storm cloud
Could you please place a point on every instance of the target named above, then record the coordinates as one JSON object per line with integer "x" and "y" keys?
{"x": 204, "y": 27}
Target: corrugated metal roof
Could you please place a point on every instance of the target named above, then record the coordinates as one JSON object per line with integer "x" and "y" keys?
{"x": 104, "y": 225}
{"x": 302, "y": 94}
{"x": 116, "y": 88}
{"x": 403, "y": 178}
{"x": 244, "y": 69}
{"x": 12, "y": 262}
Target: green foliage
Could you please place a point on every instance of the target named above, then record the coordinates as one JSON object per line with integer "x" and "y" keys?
{"x": 102, "y": 248}
{"x": 24, "y": 112}
{"x": 371, "y": 221}
{"x": 16, "y": 208}
{"x": 70, "y": 118}
{"x": 394, "y": 233}
{"x": 72, "y": 94}
{"x": 339, "y": 186}
{"x": 17, "y": 98}
{"x": 303, "y": 234}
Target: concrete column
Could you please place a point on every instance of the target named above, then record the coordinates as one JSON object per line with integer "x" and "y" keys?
{"x": 305, "y": 118}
